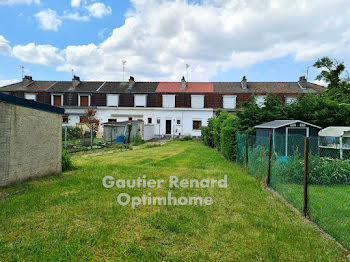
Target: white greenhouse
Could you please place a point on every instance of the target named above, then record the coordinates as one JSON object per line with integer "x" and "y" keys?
{"x": 334, "y": 141}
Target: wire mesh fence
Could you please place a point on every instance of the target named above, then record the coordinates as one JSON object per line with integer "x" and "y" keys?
{"x": 315, "y": 179}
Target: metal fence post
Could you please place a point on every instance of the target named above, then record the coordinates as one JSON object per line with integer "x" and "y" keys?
{"x": 269, "y": 162}
{"x": 246, "y": 151}
{"x": 65, "y": 137}
{"x": 306, "y": 171}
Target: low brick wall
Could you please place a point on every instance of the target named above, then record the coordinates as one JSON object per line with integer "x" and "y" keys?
{"x": 30, "y": 143}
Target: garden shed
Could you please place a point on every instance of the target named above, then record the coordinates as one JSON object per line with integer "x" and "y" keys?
{"x": 30, "y": 139}
{"x": 288, "y": 135}
{"x": 334, "y": 142}
{"x": 121, "y": 131}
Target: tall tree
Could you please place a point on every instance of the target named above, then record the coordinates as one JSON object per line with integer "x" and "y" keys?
{"x": 332, "y": 72}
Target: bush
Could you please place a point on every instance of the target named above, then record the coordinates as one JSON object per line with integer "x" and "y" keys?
{"x": 322, "y": 171}
{"x": 137, "y": 141}
{"x": 218, "y": 121}
{"x": 327, "y": 171}
{"x": 67, "y": 163}
{"x": 207, "y": 133}
{"x": 228, "y": 142}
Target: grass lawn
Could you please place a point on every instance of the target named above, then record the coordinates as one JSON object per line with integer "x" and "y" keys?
{"x": 72, "y": 217}
{"x": 329, "y": 207}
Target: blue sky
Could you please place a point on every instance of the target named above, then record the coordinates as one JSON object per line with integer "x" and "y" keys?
{"x": 221, "y": 40}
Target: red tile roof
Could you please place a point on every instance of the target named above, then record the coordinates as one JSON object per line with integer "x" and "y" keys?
{"x": 191, "y": 87}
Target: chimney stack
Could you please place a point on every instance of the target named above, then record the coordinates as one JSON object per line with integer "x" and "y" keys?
{"x": 302, "y": 82}
{"x": 27, "y": 80}
{"x": 183, "y": 83}
{"x": 131, "y": 82}
{"x": 244, "y": 83}
{"x": 75, "y": 81}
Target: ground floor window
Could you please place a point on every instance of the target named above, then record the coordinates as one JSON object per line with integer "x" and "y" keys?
{"x": 197, "y": 125}
{"x": 65, "y": 119}
{"x": 112, "y": 120}
{"x": 149, "y": 120}
{"x": 178, "y": 122}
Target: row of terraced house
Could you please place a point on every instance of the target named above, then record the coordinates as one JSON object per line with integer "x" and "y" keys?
{"x": 173, "y": 108}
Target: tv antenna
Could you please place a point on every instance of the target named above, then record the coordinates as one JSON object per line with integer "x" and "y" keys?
{"x": 123, "y": 63}
{"x": 22, "y": 70}
{"x": 187, "y": 66}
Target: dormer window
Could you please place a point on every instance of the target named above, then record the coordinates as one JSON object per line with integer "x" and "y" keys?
{"x": 260, "y": 101}
{"x": 112, "y": 100}
{"x": 57, "y": 99}
{"x": 30, "y": 96}
{"x": 229, "y": 101}
{"x": 140, "y": 100}
{"x": 197, "y": 101}
{"x": 83, "y": 100}
{"x": 169, "y": 101}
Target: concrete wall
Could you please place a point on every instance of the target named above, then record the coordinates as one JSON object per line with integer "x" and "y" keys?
{"x": 148, "y": 132}
{"x": 30, "y": 143}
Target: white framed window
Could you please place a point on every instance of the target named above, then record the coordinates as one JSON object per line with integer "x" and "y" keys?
{"x": 84, "y": 100}
{"x": 140, "y": 100}
{"x": 197, "y": 101}
{"x": 168, "y": 100}
{"x": 290, "y": 100}
{"x": 229, "y": 101}
{"x": 57, "y": 99}
{"x": 112, "y": 100}
{"x": 30, "y": 96}
{"x": 260, "y": 101}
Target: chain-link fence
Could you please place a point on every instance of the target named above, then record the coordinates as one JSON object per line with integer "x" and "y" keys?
{"x": 313, "y": 178}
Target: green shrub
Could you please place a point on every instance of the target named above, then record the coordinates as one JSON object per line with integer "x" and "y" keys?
{"x": 258, "y": 167}
{"x": 322, "y": 171}
{"x": 67, "y": 163}
{"x": 218, "y": 121}
{"x": 327, "y": 171}
{"x": 207, "y": 133}
{"x": 137, "y": 141}
{"x": 228, "y": 142}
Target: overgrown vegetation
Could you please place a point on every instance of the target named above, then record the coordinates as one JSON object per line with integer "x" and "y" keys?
{"x": 221, "y": 133}
{"x": 137, "y": 141}
{"x": 67, "y": 163}
{"x": 322, "y": 171}
{"x": 75, "y": 218}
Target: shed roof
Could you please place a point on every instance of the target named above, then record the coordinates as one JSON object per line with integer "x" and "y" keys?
{"x": 30, "y": 104}
{"x": 335, "y": 131}
{"x": 281, "y": 123}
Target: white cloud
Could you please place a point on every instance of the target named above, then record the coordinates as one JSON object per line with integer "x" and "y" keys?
{"x": 75, "y": 16}
{"x": 48, "y": 20}
{"x": 320, "y": 82}
{"x": 75, "y": 3}
{"x": 99, "y": 10}
{"x": 8, "y": 82}
{"x": 5, "y": 48}
{"x": 12, "y": 2}
{"x": 38, "y": 54}
{"x": 160, "y": 36}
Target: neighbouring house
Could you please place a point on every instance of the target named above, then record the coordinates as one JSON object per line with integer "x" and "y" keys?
{"x": 30, "y": 140}
{"x": 334, "y": 142}
{"x": 174, "y": 108}
{"x": 287, "y": 135}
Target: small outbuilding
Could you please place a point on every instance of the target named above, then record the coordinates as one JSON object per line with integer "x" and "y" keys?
{"x": 122, "y": 132}
{"x": 288, "y": 135}
{"x": 30, "y": 139}
{"x": 334, "y": 142}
